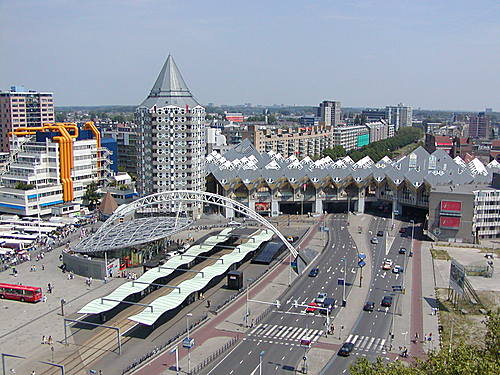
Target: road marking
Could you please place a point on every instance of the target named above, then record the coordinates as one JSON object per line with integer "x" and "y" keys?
{"x": 381, "y": 344}
{"x": 269, "y": 331}
{"x": 370, "y": 344}
{"x": 255, "y": 329}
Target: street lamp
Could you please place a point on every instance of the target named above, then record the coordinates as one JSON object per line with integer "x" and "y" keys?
{"x": 343, "y": 286}
{"x": 246, "y": 304}
{"x": 261, "y": 354}
{"x": 189, "y": 348}
{"x": 412, "y": 228}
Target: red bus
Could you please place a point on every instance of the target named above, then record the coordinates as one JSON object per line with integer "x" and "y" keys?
{"x": 21, "y": 293}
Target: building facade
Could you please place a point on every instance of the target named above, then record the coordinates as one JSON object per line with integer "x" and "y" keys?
{"x": 298, "y": 141}
{"x": 378, "y": 130}
{"x": 399, "y": 116}
{"x": 126, "y": 137}
{"x": 419, "y": 186}
{"x": 46, "y": 173}
{"x": 479, "y": 126}
{"x": 171, "y": 139}
{"x": 330, "y": 113}
{"x": 351, "y": 137}
{"x": 20, "y": 107}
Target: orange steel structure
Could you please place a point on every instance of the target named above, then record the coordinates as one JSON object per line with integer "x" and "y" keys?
{"x": 68, "y": 131}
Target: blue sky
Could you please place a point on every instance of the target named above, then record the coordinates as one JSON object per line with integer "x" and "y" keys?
{"x": 430, "y": 54}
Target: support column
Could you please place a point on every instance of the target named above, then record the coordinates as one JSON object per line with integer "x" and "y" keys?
{"x": 318, "y": 207}
{"x": 229, "y": 212}
{"x": 360, "y": 204}
{"x": 275, "y": 208}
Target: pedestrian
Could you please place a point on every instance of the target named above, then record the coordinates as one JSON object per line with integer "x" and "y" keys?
{"x": 33, "y": 372}
{"x": 43, "y": 339}
{"x": 44, "y": 298}
{"x": 50, "y": 341}
{"x": 49, "y": 288}
{"x": 416, "y": 337}
{"x": 43, "y": 267}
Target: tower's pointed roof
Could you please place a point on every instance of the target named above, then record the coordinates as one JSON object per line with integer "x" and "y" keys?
{"x": 169, "y": 88}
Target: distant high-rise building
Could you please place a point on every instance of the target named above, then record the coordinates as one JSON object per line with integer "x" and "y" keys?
{"x": 20, "y": 107}
{"x": 479, "y": 126}
{"x": 330, "y": 113}
{"x": 172, "y": 140}
{"x": 399, "y": 116}
{"x": 373, "y": 114}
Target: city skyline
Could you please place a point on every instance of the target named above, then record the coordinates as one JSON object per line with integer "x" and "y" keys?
{"x": 262, "y": 53}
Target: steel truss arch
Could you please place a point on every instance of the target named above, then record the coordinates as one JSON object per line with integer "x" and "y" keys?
{"x": 184, "y": 196}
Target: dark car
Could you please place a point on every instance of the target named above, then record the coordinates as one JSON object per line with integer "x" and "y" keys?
{"x": 402, "y": 230}
{"x": 328, "y": 303}
{"x": 386, "y": 301}
{"x": 346, "y": 349}
{"x": 369, "y": 306}
{"x": 380, "y": 233}
{"x": 402, "y": 250}
{"x": 314, "y": 272}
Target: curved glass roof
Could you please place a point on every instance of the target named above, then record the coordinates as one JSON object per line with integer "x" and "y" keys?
{"x": 131, "y": 233}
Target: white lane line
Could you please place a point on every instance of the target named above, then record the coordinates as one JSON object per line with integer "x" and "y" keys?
{"x": 284, "y": 332}
{"x": 296, "y": 333}
{"x": 292, "y": 332}
{"x": 362, "y": 345}
{"x": 265, "y": 334}
{"x": 381, "y": 345}
{"x": 354, "y": 339}
{"x": 376, "y": 344}
{"x": 318, "y": 335}
{"x": 255, "y": 329}
{"x": 370, "y": 344}
{"x": 349, "y": 338}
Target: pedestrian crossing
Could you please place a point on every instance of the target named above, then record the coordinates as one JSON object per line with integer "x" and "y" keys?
{"x": 274, "y": 331}
{"x": 367, "y": 343}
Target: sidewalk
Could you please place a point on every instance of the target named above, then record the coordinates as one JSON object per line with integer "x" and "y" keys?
{"x": 429, "y": 301}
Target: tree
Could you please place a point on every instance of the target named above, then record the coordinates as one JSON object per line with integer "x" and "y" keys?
{"x": 91, "y": 197}
{"x": 336, "y": 152}
{"x": 464, "y": 358}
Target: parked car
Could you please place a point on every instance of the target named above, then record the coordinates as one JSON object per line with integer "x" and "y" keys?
{"x": 402, "y": 250}
{"x": 402, "y": 230}
{"x": 234, "y": 223}
{"x": 314, "y": 272}
{"x": 374, "y": 240}
{"x": 346, "y": 349}
{"x": 386, "y": 301}
{"x": 312, "y": 307}
{"x": 369, "y": 306}
{"x": 321, "y": 298}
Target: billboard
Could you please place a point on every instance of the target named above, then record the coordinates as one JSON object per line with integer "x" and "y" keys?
{"x": 457, "y": 277}
{"x": 451, "y": 207}
{"x": 262, "y": 206}
{"x": 449, "y": 222}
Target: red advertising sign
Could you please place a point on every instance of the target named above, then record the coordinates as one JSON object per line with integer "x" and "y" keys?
{"x": 262, "y": 206}
{"x": 451, "y": 206}
{"x": 449, "y": 222}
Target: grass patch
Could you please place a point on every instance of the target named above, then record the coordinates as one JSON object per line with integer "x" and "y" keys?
{"x": 440, "y": 254}
{"x": 493, "y": 251}
{"x": 466, "y": 328}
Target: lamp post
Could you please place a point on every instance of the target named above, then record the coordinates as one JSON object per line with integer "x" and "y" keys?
{"x": 343, "y": 286}
{"x": 412, "y": 228}
{"x": 189, "y": 348}
{"x": 246, "y": 304}
{"x": 261, "y": 354}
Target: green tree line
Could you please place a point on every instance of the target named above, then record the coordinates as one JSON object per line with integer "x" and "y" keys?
{"x": 377, "y": 150}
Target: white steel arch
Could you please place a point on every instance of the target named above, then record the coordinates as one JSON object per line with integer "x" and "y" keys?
{"x": 198, "y": 197}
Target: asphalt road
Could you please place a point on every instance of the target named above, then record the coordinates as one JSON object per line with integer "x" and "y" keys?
{"x": 371, "y": 332}
{"x": 279, "y": 335}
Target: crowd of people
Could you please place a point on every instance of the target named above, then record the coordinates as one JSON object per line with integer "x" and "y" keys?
{"x": 46, "y": 243}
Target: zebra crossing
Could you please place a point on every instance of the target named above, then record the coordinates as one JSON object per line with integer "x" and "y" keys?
{"x": 367, "y": 343}
{"x": 273, "y": 331}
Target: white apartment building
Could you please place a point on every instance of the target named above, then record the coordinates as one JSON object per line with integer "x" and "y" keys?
{"x": 350, "y": 137}
{"x": 32, "y": 183}
{"x": 171, "y": 140}
{"x": 486, "y": 219}
{"x": 399, "y": 116}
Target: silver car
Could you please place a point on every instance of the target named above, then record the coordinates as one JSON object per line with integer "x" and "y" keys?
{"x": 321, "y": 298}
